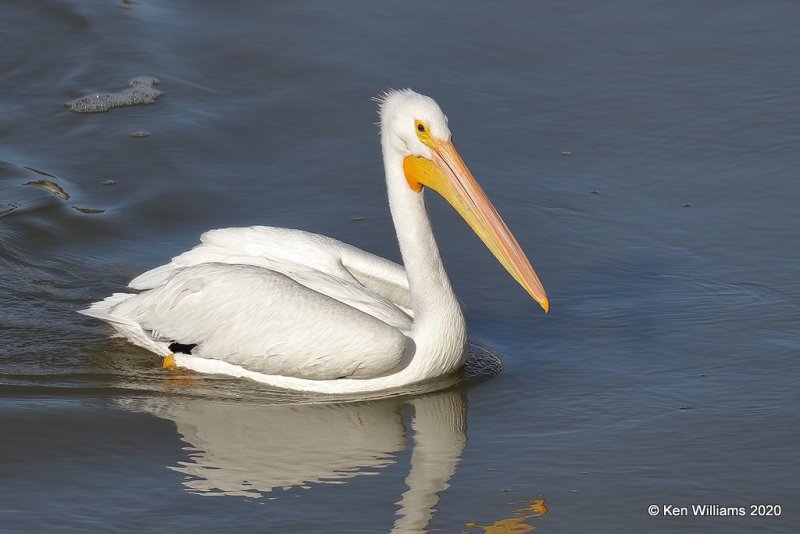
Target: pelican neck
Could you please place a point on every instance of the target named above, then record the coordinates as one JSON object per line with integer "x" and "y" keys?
{"x": 439, "y": 329}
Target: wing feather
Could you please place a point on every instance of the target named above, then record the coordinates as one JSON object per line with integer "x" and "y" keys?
{"x": 367, "y": 282}
{"x": 273, "y": 300}
{"x": 266, "y": 321}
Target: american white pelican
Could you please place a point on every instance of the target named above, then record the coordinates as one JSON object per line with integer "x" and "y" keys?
{"x": 305, "y": 312}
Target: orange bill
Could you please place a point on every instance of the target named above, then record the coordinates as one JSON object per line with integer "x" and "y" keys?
{"x": 449, "y": 176}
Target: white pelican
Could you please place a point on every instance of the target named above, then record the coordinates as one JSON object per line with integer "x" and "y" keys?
{"x": 305, "y": 312}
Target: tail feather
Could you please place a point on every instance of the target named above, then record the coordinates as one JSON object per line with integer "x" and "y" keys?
{"x": 104, "y": 309}
{"x": 126, "y": 327}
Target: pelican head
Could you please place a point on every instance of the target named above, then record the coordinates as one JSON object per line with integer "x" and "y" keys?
{"x": 414, "y": 126}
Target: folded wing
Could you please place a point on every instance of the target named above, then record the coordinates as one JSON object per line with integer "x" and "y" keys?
{"x": 273, "y": 300}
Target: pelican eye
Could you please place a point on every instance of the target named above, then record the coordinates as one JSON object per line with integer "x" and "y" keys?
{"x": 423, "y": 132}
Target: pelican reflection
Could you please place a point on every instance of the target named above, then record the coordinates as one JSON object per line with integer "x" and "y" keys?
{"x": 236, "y": 449}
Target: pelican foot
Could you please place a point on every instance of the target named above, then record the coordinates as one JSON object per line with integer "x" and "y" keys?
{"x": 169, "y": 362}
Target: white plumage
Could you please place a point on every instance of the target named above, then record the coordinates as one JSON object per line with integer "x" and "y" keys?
{"x": 303, "y": 311}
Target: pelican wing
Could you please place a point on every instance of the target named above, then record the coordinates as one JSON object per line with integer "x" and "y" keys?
{"x": 274, "y": 300}
{"x": 265, "y": 321}
{"x": 372, "y": 284}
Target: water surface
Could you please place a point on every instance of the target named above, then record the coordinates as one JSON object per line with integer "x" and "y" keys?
{"x": 645, "y": 154}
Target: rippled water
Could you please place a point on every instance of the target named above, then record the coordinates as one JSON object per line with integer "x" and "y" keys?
{"x": 645, "y": 155}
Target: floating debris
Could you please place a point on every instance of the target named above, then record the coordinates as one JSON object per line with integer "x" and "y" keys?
{"x": 687, "y": 205}
{"x": 566, "y": 153}
{"x": 53, "y": 187}
{"x": 88, "y": 210}
{"x": 357, "y": 219}
{"x": 140, "y": 134}
{"x": 40, "y": 172}
{"x": 109, "y": 182}
{"x": 140, "y": 91}
{"x": 127, "y": 4}
{"x": 11, "y": 207}
{"x": 58, "y": 192}
{"x": 594, "y": 192}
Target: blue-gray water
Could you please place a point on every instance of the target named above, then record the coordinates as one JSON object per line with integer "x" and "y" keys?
{"x": 666, "y": 373}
